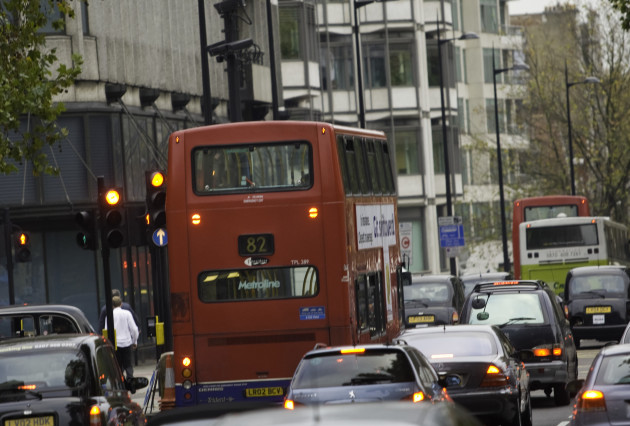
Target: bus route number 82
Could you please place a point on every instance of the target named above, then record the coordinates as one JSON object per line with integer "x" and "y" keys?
{"x": 255, "y": 244}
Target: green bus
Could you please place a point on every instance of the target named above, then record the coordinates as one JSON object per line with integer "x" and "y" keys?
{"x": 549, "y": 248}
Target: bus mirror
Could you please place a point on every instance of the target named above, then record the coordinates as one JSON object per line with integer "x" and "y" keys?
{"x": 405, "y": 278}
{"x": 478, "y": 303}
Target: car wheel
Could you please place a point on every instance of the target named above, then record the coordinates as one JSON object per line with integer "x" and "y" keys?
{"x": 561, "y": 395}
{"x": 526, "y": 416}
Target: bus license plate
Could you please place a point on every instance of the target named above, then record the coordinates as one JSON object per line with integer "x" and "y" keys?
{"x": 259, "y": 392}
{"x": 598, "y": 309}
{"x": 419, "y": 319}
{"x": 30, "y": 421}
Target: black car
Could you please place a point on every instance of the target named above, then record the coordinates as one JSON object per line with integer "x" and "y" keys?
{"x": 471, "y": 280}
{"x": 35, "y": 320}
{"x": 65, "y": 379}
{"x": 433, "y": 300}
{"x": 369, "y": 373}
{"x": 494, "y": 383}
{"x": 597, "y": 302}
{"x": 529, "y": 313}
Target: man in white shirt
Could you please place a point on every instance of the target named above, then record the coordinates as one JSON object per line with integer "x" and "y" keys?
{"x": 126, "y": 336}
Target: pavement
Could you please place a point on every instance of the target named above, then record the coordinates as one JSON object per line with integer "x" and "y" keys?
{"x": 146, "y": 368}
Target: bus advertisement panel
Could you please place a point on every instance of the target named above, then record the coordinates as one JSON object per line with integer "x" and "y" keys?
{"x": 543, "y": 207}
{"x": 551, "y": 247}
{"x": 282, "y": 235}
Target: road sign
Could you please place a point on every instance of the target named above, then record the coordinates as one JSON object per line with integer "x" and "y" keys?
{"x": 160, "y": 237}
{"x": 451, "y": 231}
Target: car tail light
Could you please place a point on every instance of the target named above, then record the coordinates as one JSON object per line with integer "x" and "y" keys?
{"x": 95, "y": 416}
{"x": 566, "y": 311}
{"x": 289, "y": 404}
{"x": 548, "y": 352}
{"x": 455, "y": 317}
{"x": 591, "y": 400}
{"x": 415, "y": 397}
{"x": 494, "y": 377}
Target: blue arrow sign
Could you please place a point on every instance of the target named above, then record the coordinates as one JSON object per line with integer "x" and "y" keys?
{"x": 452, "y": 236}
{"x": 159, "y": 237}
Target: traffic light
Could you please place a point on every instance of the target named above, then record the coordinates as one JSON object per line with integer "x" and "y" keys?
{"x": 156, "y": 199}
{"x": 87, "y": 238}
{"x": 114, "y": 232}
{"x": 22, "y": 247}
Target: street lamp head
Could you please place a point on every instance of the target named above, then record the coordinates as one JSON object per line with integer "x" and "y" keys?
{"x": 468, "y": 36}
{"x": 591, "y": 80}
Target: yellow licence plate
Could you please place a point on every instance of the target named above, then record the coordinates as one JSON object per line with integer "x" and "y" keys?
{"x": 258, "y": 392}
{"x": 598, "y": 309}
{"x": 31, "y": 421}
{"x": 418, "y": 319}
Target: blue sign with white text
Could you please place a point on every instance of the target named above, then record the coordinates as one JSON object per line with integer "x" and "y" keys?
{"x": 312, "y": 313}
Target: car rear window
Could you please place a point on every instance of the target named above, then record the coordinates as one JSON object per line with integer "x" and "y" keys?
{"x": 453, "y": 345}
{"x": 597, "y": 286}
{"x": 437, "y": 292}
{"x": 41, "y": 371}
{"x": 614, "y": 370}
{"x": 368, "y": 368}
{"x": 509, "y": 308}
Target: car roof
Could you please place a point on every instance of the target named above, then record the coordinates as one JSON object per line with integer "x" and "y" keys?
{"x": 602, "y": 269}
{"x": 619, "y": 349}
{"x": 509, "y": 285}
{"x": 370, "y": 346}
{"x": 70, "y": 310}
{"x": 453, "y": 328}
{"x": 386, "y": 412}
{"x": 54, "y": 340}
{"x": 417, "y": 278}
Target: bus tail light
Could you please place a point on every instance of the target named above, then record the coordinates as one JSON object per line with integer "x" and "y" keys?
{"x": 195, "y": 219}
{"x": 313, "y": 212}
{"x": 186, "y": 375}
{"x": 591, "y": 400}
{"x": 494, "y": 377}
{"x": 95, "y": 416}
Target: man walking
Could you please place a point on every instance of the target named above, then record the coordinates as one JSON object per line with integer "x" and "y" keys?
{"x": 125, "y": 305}
{"x": 126, "y": 332}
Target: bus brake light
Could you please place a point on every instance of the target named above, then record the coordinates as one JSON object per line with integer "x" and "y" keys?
{"x": 313, "y": 212}
{"x": 196, "y": 219}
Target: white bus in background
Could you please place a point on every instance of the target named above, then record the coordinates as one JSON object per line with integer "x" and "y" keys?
{"x": 549, "y": 248}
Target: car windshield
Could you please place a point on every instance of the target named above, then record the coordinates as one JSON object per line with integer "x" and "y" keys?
{"x": 453, "y": 345}
{"x": 39, "y": 371}
{"x": 504, "y": 309}
{"x": 614, "y": 370}
{"x": 370, "y": 367}
{"x": 435, "y": 292}
{"x": 597, "y": 286}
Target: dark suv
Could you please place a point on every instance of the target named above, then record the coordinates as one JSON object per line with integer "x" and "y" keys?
{"x": 368, "y": 373}
{"x": 596, "y": 301}
{"x": 529, "y": 313}
{"x": 433, "y": 300}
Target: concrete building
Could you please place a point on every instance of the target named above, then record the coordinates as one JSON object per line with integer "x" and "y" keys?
{"x": 143, "y": 77}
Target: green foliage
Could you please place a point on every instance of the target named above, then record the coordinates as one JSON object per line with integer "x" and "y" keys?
{"x": 623, "y": 6}
{"x": 590, "y": 43}
{"x": 29, "y": 81}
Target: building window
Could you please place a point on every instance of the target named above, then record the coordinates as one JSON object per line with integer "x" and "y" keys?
{"x": 400, "y": 65}
{"x": 297, "y": 31}
{"x": 337, "y": 61}
{"x": 489, "y": 16}
{"x": 406, "y": 142}
{"x": 490, "y": 123}
{"x": 488, "y": 69}
{"x": 374, "y": 66}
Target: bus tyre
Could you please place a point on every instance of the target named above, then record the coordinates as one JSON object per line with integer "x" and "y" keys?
{"x": 561, "y": 395}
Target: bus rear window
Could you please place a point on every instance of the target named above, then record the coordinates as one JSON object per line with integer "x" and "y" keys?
{"x": 561, "y": 236}
{"x": 258, "y": 284}
{"x": 548, "y": 212}
{"x": 252, "y": 167}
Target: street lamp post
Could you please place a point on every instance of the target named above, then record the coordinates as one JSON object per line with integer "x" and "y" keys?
{"x": 567, "y": 85}
{"x": 515, "y": 67}
{"x": 357, "y": 41}
{"x": 447, "y": 171}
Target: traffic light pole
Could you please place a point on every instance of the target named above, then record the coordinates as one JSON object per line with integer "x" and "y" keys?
{"x": 8, "y": 243}
{"x": 111, "y": 335}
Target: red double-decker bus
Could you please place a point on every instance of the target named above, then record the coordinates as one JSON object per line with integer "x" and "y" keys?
{"x": 282, "y": 235}
{"x": 543, "y": 207}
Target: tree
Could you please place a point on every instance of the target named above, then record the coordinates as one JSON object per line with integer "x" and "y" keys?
{"x": 29, "y": 81}
{"x": 591, "y": 43}
{"x": 623, "y": 6}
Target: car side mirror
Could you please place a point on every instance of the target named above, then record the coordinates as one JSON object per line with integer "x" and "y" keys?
{"x": 136, "y": 383}
{"x": 478, "y": 303}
